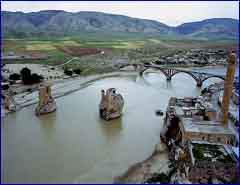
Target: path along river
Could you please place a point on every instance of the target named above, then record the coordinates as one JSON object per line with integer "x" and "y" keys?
{"x": 73, "y": 145}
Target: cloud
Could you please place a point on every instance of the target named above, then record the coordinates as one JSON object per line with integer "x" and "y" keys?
{"x": 172, "y": 13}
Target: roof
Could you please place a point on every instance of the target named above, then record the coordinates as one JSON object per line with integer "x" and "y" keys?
{"x": 211, "y": 127}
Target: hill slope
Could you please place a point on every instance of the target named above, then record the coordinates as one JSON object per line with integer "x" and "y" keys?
{"x": 210, "y": 28}
{"x": 58, "y": 23}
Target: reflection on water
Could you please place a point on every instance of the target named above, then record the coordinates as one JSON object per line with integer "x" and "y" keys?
{"x": 112, "y": 129}
{"x": 73, "y": 145}
{"x": 47, "y": 123}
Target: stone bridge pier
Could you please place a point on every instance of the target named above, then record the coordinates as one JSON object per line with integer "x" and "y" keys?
{"x": 199, "y": 83}
{"x": 169, "y": 78}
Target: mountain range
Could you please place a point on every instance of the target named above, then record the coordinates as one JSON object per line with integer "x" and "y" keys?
{"x": 58, "y": 23}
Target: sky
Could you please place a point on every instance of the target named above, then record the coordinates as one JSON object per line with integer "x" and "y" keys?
{"x": 171, "y": 13}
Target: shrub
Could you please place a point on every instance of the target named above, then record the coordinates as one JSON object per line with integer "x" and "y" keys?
{"x": 77, "y": 71}
{"x": 15, "y": 76}
{"x": 35, "y": 78}
{"x": 68, "y": 72}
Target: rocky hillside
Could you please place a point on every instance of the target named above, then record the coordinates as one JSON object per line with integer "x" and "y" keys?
{"x": 61, "y": 23}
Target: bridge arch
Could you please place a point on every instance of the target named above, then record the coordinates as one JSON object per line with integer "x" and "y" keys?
{"x": 214, "y": 76}
{"x": 159, "y": 69}
{"x": 190, "y": 74}
{"x": 169, "y": 73}
{"x": 199, "y": 77}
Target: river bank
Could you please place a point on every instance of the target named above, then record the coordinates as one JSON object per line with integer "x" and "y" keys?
{"x": 157, "y": 162}
{"x": 24, "y": 97}
{"x": 63, "y": 87}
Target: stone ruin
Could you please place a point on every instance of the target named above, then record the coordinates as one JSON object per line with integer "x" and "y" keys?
{"x": 46, "y": 103}
{"x": 111, "y": 104}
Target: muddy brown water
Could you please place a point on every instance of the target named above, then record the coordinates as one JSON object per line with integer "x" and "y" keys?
{"x": 73, "y": 145}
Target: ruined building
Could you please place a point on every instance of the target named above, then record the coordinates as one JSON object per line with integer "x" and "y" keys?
{"x": 111, "y": 104}
{"x": 193, "y": 129}
{"x": 192, "y": 119}
{"x": 46, "y": 102}
{"x": 195, "y": 119}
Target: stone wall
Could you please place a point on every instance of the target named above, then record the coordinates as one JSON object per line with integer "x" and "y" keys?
{"x": 212, "y": 138}
{"x": 205, "y": 170}
{"x": 209, "y": 137}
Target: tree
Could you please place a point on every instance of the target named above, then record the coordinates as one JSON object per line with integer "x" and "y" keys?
{"x": 26, "y": 75}
{"x": 29, "y": 78}
{"x": 15, "y": 76}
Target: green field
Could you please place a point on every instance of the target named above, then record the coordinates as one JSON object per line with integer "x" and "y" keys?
{"x": 51, "y": 47}
{"x": 135, "y": 49}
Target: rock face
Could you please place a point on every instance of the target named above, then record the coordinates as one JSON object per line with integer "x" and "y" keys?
{"x": 46, "y": 102}
{"x": 111, "y": 104}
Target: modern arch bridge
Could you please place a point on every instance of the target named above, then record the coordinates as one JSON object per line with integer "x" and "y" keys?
{"x": 199, "y": 77}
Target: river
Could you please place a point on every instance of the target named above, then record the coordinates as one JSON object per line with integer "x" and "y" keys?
{"x": 73, "y": 145}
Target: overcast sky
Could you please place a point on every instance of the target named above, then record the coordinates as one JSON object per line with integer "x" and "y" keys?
{"x": 171, "y": 13}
